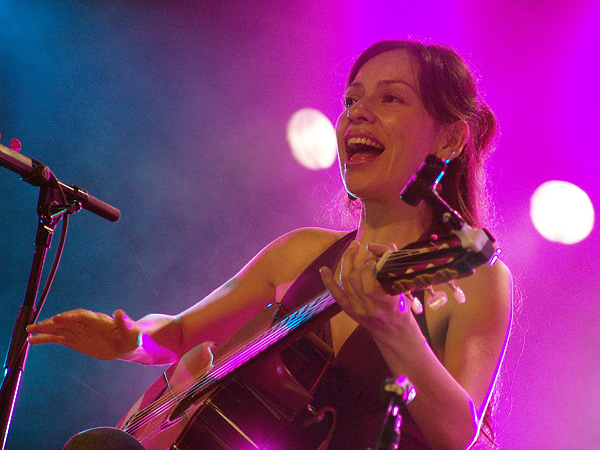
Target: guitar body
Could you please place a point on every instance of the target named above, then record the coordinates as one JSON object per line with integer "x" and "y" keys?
{"x": 263, "y": 404}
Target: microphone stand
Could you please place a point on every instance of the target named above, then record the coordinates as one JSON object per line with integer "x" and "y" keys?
{"x": 400, "y": 392}
{"x": 51, "y": 208}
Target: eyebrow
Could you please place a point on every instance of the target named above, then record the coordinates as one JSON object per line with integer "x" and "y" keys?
{"x": 386, "y": 83}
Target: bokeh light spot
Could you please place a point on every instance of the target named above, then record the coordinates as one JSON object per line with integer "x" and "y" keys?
{"x": 311, "y": 137}
{"x": 562, "y": 212}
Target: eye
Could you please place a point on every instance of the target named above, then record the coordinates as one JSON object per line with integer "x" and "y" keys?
{"x": 392, "y": 98}
{"x": 348, "y": 102}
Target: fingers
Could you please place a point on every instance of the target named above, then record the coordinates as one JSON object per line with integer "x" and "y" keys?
{"x": 358, "y": 279}
{"x": 49, "y": 325}
{"x": 46, "y": 339}
{"x": 94, "y": 334}
{"x": 332, "y": 286}
{"x": 57, "y": 329}
{"x": 60, "y": 320}
{"x": 357, "y": 289}
{"x": 123, "y": 321}
{"x": 379, "y": 249}
{"x": 66, "y": 326}
{"x": 382, "y": 252}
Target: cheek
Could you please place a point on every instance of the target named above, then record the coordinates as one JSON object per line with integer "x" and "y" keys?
{"x": 341, "y": 124}
{"x": 340, "y": 131}
{"x": 416, "y": 137}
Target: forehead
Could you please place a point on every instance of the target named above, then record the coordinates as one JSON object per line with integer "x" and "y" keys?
{"x": 391, "y": 65}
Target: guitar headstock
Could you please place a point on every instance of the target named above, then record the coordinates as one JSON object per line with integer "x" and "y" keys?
{"x": 439, "y": 259}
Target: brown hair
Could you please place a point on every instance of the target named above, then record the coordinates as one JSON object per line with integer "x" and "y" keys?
{"x": 449, "y": 92}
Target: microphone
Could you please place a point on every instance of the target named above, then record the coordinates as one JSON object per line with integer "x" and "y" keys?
{"x": 37, "y": 174}
{"x": 423, "y": 180}
{"x": 399, "y": 392}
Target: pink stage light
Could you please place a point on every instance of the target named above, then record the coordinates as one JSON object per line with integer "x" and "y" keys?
{"x": 562, "y": 212}
{"x": 311, "y": 137}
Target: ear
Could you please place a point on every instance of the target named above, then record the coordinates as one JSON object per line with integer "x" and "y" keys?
{"x": 452, "y": 140}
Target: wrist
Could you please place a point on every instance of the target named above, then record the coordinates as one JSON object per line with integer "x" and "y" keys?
{"x": 401, "y": 344}
{"x": 131, "y": 355}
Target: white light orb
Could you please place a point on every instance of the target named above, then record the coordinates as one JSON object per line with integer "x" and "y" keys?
{"x": 562, "y": 212}
{"x": 311, "y": 137}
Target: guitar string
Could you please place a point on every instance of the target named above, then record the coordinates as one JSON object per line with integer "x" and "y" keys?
{"x": 168, "y": 403}
{"x": 156, "y": 408}
{"x": 228, "y": 364}
{"x": 274, "y": 332}
{"x": 393, "y": 266}
{"x": 450, "y": 243}
{"x": 435, "y": 246}
{"x": 397, "y": 262}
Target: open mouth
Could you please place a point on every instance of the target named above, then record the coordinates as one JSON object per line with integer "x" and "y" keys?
{"x": 361, "y": 148}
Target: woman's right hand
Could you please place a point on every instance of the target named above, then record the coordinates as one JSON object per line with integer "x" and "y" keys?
{"x": 94, "y": 334}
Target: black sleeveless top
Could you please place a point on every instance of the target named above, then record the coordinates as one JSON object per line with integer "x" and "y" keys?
{"x": 352, "y": 382}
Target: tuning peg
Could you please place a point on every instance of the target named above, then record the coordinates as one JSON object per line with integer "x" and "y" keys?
{"x": 457, "y": 292}
{"x": 437, "y": 299}
{"x": 415, "y": 303}
{"x": 15, "y": 145}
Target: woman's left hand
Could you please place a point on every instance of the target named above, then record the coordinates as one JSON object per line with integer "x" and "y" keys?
{"x": 362, "y": 297}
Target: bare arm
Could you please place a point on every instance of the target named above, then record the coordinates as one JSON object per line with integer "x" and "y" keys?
{"x": 163, "y": 339}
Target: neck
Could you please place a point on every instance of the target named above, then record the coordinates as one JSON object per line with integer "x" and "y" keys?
{"x": 396, "y": 223}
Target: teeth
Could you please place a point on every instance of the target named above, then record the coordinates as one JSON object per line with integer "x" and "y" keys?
{"x": 364, "y": 141}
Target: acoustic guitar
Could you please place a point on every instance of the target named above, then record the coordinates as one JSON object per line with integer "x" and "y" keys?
{"x": 255, "y": 391}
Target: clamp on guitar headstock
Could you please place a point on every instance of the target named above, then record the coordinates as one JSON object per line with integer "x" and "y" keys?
{"x": 422, "y": 186}
{"x": 423, "y": 264}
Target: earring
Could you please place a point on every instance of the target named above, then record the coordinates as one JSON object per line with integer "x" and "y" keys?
{"x": 452, "y": 153}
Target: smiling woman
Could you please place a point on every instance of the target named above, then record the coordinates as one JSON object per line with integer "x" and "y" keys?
{"x": 442, "y": 82}
{"x": 386, "y": 128}
{"x": 404, "y": 101}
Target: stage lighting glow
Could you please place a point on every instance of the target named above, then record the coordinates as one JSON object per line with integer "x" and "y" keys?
{"x": 562, "y": 212}
{"x": 311, "y": 137}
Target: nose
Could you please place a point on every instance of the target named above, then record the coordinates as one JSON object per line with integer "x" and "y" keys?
{"x": 359, "y": 111}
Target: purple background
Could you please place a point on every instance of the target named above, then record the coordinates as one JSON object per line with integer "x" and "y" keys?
{"x": 177, "y": 116}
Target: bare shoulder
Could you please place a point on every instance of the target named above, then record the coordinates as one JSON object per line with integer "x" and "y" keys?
{"x": 309, "y": 238}
{"x": 488, "y": 308}
{"x": 288, "y": 255}
{"x": 491, "y": 286}
{"x": 225, "y": 310}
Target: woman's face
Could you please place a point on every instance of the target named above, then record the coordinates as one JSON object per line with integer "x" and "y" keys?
{"x": 385, "y": 132}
